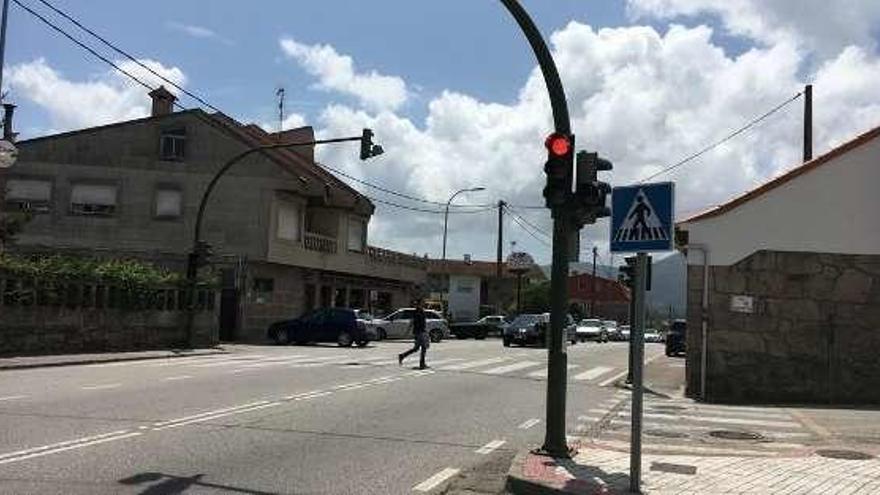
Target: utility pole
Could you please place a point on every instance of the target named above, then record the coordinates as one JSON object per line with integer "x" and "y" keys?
{"x": 808, "y": 122}
{"x": 593, "y": 288}
{"x": 637, "y": 336}
{"x": 499, "y": 253}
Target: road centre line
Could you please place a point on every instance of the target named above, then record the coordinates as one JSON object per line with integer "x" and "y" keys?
{"x": 61, "y": 444}
{"x": 525, "y": 425}
{"x": 312, "y": 396}
{"x": 101, "y": 387}
{"x": 432, "y": 482}
{"x": 12, "y": 397}
{"x": 208, "y": 418}
{"x": 209, "y": 413}
{"x": 178, "y": 377}
{"x": 78, "y": 445}
{"x": 490, "y": 447}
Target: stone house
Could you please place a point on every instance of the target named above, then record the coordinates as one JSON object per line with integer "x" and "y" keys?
{"x": 609, "y": 297}
{"x": 784, "y": 285}
{"x": 287, "y": 235}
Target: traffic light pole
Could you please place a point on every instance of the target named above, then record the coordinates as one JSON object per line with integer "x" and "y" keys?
{"x": 554, "y": 439}
{"x": 637, "y": 349}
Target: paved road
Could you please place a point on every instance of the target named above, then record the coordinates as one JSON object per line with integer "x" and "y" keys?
{"x": 316, "y": 419}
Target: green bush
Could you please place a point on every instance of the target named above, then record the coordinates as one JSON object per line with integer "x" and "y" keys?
{"x": 129, "y": 274}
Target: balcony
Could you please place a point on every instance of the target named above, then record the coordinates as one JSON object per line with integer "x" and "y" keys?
{"x": 384, "y": 256}
{"x": 320, "y": 243}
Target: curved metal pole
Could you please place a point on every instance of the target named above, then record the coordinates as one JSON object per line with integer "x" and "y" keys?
{"x": 445, "y": 230}
{"x": 557, "y": 361}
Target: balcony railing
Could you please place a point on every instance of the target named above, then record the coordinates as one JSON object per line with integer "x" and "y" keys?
{"x": 385, "y": 256}
{"x": 320, "y": 243}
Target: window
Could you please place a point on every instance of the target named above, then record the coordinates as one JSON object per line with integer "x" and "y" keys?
{"x": 93, "y": 199}
{"x": 262, "y": 289}
{"x": 357, "y": 234}
{"x": 288, "y": 221}
{"x": 34, "y": 196}
{"x": 168, "y": 203}
{"x": 173, "y": 144}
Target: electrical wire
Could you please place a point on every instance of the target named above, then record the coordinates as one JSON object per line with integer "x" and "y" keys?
{"x": 530, "y": 224}
{"x": 723, "y": 140}
{"x": 517, "y": 218}
{"x": 126, "y": 54}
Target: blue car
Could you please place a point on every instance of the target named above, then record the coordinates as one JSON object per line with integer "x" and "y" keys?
{"x": 338, "y": 325}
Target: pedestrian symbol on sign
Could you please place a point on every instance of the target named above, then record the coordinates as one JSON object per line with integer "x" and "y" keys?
{"x": 642, "y": 218}
{"x": 641, "y": 223}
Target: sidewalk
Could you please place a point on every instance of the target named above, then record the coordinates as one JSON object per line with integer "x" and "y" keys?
{"x": 23, "y": 362}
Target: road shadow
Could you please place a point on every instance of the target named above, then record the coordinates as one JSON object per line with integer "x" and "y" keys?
{"x": 168, "y": 484}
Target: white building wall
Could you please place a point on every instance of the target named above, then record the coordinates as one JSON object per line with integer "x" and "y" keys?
{"x": 834, "y": 208}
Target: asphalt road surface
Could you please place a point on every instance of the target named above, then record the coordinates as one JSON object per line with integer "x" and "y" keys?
{"x": 263, "y": 419}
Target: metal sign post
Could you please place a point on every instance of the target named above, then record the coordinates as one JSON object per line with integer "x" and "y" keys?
{"x": 637, "y": 336}
{"x": 641, "y": 222}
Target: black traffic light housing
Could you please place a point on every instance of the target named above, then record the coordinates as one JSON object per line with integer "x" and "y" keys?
{"x": 627, "y": 274}
{"x": 368, "y": 148}
{"x": 591, "y": 194}
{"x": 559, "y": 169}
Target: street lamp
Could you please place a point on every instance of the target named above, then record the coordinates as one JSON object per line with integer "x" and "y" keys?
{"x": 445, "y": 230}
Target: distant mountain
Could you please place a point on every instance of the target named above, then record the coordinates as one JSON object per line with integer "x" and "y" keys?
{"x": 668, "y": 279}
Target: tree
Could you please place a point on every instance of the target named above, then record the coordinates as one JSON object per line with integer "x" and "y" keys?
{"x": 536, "y": 297}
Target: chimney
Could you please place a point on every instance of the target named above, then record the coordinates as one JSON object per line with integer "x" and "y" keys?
{"x": 467, "y": 259}
{"x": 163, "y": 101}
{"x": 8, "y": 134}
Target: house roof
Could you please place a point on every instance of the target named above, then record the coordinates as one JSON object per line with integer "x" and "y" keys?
{"x": 606, "y": 289}
{"x": 787, "y": 177}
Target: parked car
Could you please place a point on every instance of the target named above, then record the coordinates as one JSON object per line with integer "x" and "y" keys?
{"x": 652, "y": 336}
{"x": 675, "y": 338}
{"x": 624, "y": 333}
{"x": 611, "y": 330}
{"x": 528, "y": 329}
{"x": 591, "y": 329}
{"x": 479, "y": 329}
{"x": 398, "y": 325}
{"x": 321, "y": 325}
{"x": 367, "y": 319}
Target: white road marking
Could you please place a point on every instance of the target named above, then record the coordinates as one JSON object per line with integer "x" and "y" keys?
{"x": 490, "y": 447}
{"x": 613, "y": 379}
{"x": 435, "y": 362}
{"x": 12, "y": 397}
{"x": 210, "y": 413}
{"x": 721, "y": 420}
{"x": 215, "y": 416}
{"x": 231, "y": 361}
{"x": 434, "y": 481}
{"x": 728, "y": 412}
{"x": 101, "y": 387}
{"x": 528, "y": 423}
{"x": 312, "y": 396}
{"x": 475, "y": 364}
{"x": 543, "y": 373}
{"x": 593, "y": 373}
{"x": 511, "y": 367}
{"x": 292, "y": 360}
{"x": 68, "y": 445}
{"x": 178, "y": 377}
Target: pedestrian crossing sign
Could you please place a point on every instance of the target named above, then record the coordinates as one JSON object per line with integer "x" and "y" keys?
{"x": 642, "y": 218}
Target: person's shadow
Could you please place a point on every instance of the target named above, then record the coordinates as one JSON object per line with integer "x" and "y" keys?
{"x": 171, "y": 485}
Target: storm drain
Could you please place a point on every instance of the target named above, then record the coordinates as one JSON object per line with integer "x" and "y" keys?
{"x": 736, "y": 435}
{"x": 848, "y": 455}
{"x": 665, "y": 434}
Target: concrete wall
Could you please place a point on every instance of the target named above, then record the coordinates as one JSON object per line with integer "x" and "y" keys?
{"x": 812, "y": 336}
{"x": 831, "y": 209}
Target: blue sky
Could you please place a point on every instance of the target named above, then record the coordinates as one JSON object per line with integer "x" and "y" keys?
{"x": 450, "y": 88}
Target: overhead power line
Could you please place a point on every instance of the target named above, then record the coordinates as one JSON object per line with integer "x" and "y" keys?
{"x": 528, "y": 231}
{"x": 125, "y": 54}
{"x": 725, "y": 139}
{"x": 530, "y": 224}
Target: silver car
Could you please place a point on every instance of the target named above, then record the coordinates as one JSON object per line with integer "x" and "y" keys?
{"x": 398, "y": 325}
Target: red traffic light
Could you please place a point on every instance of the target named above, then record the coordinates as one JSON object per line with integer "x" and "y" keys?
{"x": 558, "y": 144}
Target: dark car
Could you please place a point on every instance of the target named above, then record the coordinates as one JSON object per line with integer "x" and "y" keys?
{"x": 479, "y": 329}
{"x": 675, "y": 338}
{"x": 322, "y": 325}
{"x": 528, "y": 329}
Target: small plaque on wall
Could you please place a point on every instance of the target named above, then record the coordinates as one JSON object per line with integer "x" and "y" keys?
{"x": 742, "y": 304}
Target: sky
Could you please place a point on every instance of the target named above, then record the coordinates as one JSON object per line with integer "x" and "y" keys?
{"x": 453, "y": 94}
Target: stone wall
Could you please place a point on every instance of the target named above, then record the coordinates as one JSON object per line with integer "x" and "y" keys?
{"x": 812, "y": 335}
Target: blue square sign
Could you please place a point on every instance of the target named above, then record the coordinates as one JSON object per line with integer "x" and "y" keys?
{"x": 642, "y": 218}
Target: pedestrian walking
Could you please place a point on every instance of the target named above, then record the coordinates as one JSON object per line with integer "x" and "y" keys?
{"x": 420, "y": 336}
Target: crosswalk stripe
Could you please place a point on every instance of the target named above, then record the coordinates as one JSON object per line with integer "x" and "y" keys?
{"x": 435, "y": 362}
{"x": 543, "y": 372}
{"x": 475, "y": 364}
{"x": 511, "y": 367}
{"x": 720, "y": 420}
{"x": 730, "y": 412}
{"x": 593, "y": 373}
{"x": 490, "y": 447}
{"x": 691, "y": 449}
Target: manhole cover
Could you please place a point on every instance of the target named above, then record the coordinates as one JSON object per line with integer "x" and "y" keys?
{"x": 668, "y": 408}
{"x": 849, "y": 455}
{"x": 735, "y": 435}
{"x": 665, "y": 434}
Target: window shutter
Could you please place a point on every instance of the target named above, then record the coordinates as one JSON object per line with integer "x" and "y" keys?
{"x": 168, "y": 203}
{"x": 93, "y": 194}
{"x": 288, "y": 221}
{"x": 356, "y": 234}
{"x": 31, "y": 190}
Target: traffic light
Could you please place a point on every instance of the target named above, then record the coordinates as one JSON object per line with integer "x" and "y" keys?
{"x": 368, "y": 149}
{"x": 559, "y": 167}
{"x": 627, "y": 274}
{"x": 590, "y": 193}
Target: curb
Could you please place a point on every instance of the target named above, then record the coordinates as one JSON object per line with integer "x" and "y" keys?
{"x": 9, "y": 367}
{"x": 519, "y": 483}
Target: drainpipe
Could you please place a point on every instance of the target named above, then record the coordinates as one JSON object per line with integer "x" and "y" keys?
{"x": 704, "y": 317}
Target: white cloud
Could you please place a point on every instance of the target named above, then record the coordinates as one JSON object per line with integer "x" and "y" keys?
{"x": 196, "y": 31}
{"x": 819, "y": 25}
{"x": 105, "y": 98}
{"x": 336, "y": 72}
{"x": 291, "y": 121}
{"x": 642, "y": 98}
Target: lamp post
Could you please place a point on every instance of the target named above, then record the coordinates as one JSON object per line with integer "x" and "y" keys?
{"x": 445, "y": 230}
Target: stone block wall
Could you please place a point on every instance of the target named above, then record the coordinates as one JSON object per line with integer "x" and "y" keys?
{"x": 812, "y": 336}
